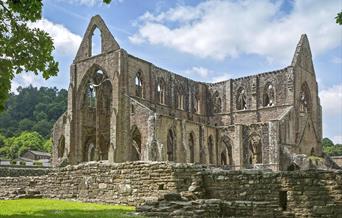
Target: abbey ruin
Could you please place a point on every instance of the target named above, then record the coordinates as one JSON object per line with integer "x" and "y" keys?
{"x": 122, "y": 108}
{"x": 139, "y": 135}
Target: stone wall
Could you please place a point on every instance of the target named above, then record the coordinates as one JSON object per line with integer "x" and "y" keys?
{"x": 127, "y": 183}
{"x": 170, "y": 189}
{"x": 6, "y": 171}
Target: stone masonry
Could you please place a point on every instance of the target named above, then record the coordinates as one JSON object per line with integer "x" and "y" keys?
{"x": 122, "y": 108}
{"x": 167, "y": 189}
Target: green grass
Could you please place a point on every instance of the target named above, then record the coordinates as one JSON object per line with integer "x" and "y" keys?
{"x": 59, "y": 208}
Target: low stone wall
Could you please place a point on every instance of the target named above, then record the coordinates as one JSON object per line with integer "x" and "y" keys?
{"x": 14, "y": 171}
{"x": 131, "y": 183}
{"x": 169, "y": 189}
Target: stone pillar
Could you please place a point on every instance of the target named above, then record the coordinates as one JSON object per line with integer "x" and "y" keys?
{"x": 237, "y": 148}
{"x": 273, "y": 129}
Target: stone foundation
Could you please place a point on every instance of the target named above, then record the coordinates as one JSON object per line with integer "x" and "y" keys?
{"x": 189, "y": 190}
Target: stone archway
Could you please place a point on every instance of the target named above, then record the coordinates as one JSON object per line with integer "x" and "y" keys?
{"x": 171, "y": 145}
{"x": 94, "y": 103}
{"x": 61, "y": 147}
{"x": 191, "y": 144}
{"x": 136, "y": 144}
{"x": 226, "y": 151}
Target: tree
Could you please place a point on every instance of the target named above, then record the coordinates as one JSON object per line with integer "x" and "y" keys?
{"x": 23, "y": 48}
{"x": 326, "y": 142}
{"x": 18, "y": 145}
{"x": 339, "y": 18}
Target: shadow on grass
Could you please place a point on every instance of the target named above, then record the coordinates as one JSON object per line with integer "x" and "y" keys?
{"x": 75, "y": 213}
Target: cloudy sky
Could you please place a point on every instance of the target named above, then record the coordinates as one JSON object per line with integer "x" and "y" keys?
{"x": 208, "y": 40}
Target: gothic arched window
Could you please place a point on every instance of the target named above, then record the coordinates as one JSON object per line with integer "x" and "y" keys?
{"x": 305, "y": 98}
{"x": 217, "y": 102}
{"x": 255, "y": 149}
{"x": 241, "y": 99}
{"x": 136, "y": 144}
{"x": 196, "y": 104}
{"x": 139, "y": 85}
{"x": 161, "y": 89}
{"x": 90, "y": 95}
{"x": 180, "y": 98}
{"x": 268, "y": 95}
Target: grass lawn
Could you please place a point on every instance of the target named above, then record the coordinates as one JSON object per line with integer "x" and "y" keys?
{"x": 59, "y": 208}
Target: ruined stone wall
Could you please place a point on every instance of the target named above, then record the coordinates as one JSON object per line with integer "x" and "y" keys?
{"x": 6, "y": 171}
{"x": 196, "y": 189}
{"x": 313, "y": 193}
{"x": 127, "y": 183}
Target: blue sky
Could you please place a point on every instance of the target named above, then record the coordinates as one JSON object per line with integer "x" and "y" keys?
{"x": 208, "y": 40}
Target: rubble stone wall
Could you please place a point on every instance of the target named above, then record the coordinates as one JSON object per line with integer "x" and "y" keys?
{"x": 10, "y": 171}
{"x": 170, "y": 189}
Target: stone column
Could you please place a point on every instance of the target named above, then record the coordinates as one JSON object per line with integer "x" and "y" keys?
{"x": 273, "y": 129}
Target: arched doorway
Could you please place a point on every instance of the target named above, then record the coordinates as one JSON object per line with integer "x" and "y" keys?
{"x": 171, "y": 145}
{"x": 136, "y": 144}
{"x": 61, "y": 147}
{"x": 191, "y": 144}
{"x": 211, "y": 149}
{"x": 255, "y": 149}
{"x": 94, "y": 103}
{"x": 91, "y": 152}
{"x": 226, "y": 152}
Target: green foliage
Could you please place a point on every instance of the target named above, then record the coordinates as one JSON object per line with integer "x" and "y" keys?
{"x": 330, "y": 148}
{"x": 326, "y": 142}
{"x": 2, "y": 140}
{"x": 62, "y": 209}
{"x": 25, "y": 141}
{"x": 22, "y": 163}
{"x": 48, "y": 145}
{"x": 339, "y": 18}
{"x": 13, "y": 162}
{"x": 33, "y": 109}
{"x": 23, "y": 48}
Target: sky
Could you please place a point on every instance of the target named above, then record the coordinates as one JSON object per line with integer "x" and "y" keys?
{"x": 207, "y": 40}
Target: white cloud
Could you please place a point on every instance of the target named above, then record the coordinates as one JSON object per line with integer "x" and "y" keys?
{"x": 198, "y": 71}
{"x": 331, "y": 101}
{"x": 65, "y": 42}
{"x": 221, "y": 29}
{"x": 337, "y": 139}
{"x": 221, "y": 77}
{"x": 25, "y": 79}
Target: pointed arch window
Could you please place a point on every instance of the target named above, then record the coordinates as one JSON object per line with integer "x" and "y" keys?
{"x": 255, "y": 149}
{"x": 180, "y": 98}
{"x": 90, "y": 94}
{"x": 217, "y": 102}
{"x": 96, "y": 42}
{"x": 196, "y": 104}
{"x": 269, "y": 95}
{"x": 136, "y": 144}
{"x": 161, "y": 89}
{"x": 139, "y": 85}
{"x": 305, "y": 99}
{"x": 226, "y": 152}
{"x": 241, "y": 99}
